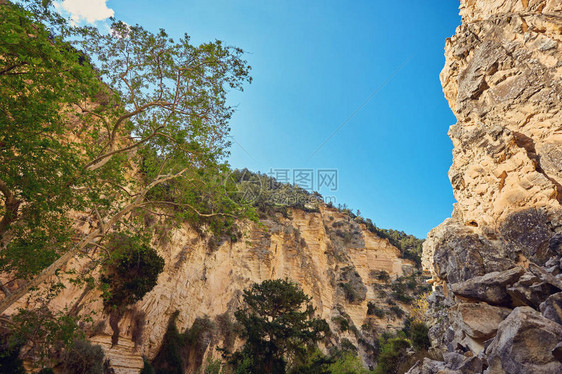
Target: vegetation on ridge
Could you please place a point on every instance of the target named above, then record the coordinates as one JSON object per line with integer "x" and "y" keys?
{"x": 269, "y": 196}
{"x": 99, "y": 134}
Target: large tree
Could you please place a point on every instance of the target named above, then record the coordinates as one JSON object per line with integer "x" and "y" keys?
{"x": 100, "y": 128}
{"x": 278, "y": 324}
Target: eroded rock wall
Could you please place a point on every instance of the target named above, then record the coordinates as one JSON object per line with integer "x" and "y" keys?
{"x": 498, "y": 257}
{"x": 335, "y": 259}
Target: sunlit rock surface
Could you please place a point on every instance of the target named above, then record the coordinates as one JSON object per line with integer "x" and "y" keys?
{"x": 204, "y": 278}
{"x": 499, "y": 255}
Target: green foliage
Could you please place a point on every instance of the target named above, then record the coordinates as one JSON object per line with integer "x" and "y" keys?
{"x": 213, "y": 366}
{"x": 48, "y": 333}
{"x": 392, "y": 352}
{"x": 9, "y": 357}
{"x": 39, "y": 76}
{"x": 102, "y": 126}
{"x": 313, "y": 362}
{"x": 399, "y": 292}
{"x": 269, "y": 196}
{"x": 397, "y": 311}
{"x": 278, "y": 325}
{"x": 349, "y": 292}
{"x": 348, "y": 363}
{"x": 342, "y": 322}
{"x": 418, "y": 335}
{"x": 72, "y": 134}
{"x": 83, "y": 358}
{"x": 373, "y": 309}
{"x": 147, "y": 367}
{"x": 347, "y": 346}
{"x": 411, "y": 283}
{"x": 341, "y": 362}
{"x": 132, "y": 270}
{"x": 382, "y": 275}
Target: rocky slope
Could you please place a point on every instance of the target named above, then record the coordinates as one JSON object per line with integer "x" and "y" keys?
{"x": 496, "y": 263}
{"x": 335, "y": 259}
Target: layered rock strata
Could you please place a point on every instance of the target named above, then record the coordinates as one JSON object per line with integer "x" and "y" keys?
{"x": 336, "y": 261}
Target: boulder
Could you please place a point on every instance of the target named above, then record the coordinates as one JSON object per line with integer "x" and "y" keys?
{"x": 527, "y": 230}
{"x": 551, "y": 308}
{"x": 524, "y": 344}
{"x": 462, "y": 363}
{"x": 479, "y": 320}
{"x": 530, "y": 290}
{"x": 454, "y": 364}
{"x": 460, "y": 255}
{"x": 544, "y": 275}
{"x": 490, "y": 288}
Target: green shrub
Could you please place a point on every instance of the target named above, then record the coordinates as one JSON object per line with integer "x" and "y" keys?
{"x": 350, "y": 294}
{"x": 132, "y": 271}
{"x": 412, "y": 283}
{"x": 399, "y": 291}
{"x": 383, "y": 276}
{"x": 418, "y": 334}
{"x": 213, "y": 366}
{"x": 9, "y": 357}
{"x": 348, "y": 363}
{"x": 373, "y": 309}
{"x": 83, "y": 358}
{"x": 397, "y": 311}
{"x": 343, "y": 323}
{"x": 392, "y": 352}
{"x": 347, "y": 346}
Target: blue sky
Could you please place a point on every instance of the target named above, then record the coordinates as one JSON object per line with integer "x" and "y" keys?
{"x": 371, "y": 66}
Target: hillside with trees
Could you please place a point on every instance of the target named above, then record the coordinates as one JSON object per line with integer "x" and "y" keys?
{"x": 108, "y": 142}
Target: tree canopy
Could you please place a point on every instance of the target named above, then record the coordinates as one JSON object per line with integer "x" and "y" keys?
{"x": 105, "y": 126}
{"x": 278, "y": 324}
{"x": 97, "y": 131}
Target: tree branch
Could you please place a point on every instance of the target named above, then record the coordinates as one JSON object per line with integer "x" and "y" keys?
{"x": 9, "y": 68}
{"x": 97, "y": 163}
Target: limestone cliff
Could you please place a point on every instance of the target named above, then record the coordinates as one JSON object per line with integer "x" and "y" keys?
{"x": 336, "y": 260}
{"x": 496, "y": 263}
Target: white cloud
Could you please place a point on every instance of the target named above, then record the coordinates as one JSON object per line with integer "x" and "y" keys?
{"x": 85, "y": 10}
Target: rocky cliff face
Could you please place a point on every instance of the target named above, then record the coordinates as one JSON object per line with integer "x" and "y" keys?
{"x": 335, "y": 259}
{"x": 496, "y": 263}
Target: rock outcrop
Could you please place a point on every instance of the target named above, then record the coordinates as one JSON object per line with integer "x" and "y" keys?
{"x": 336, "y": 260}
{"x": 496, "y": 263}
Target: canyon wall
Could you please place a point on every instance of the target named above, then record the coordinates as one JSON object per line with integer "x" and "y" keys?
{"x": 335, "y": 260}
{"x": 496, "y": 263}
